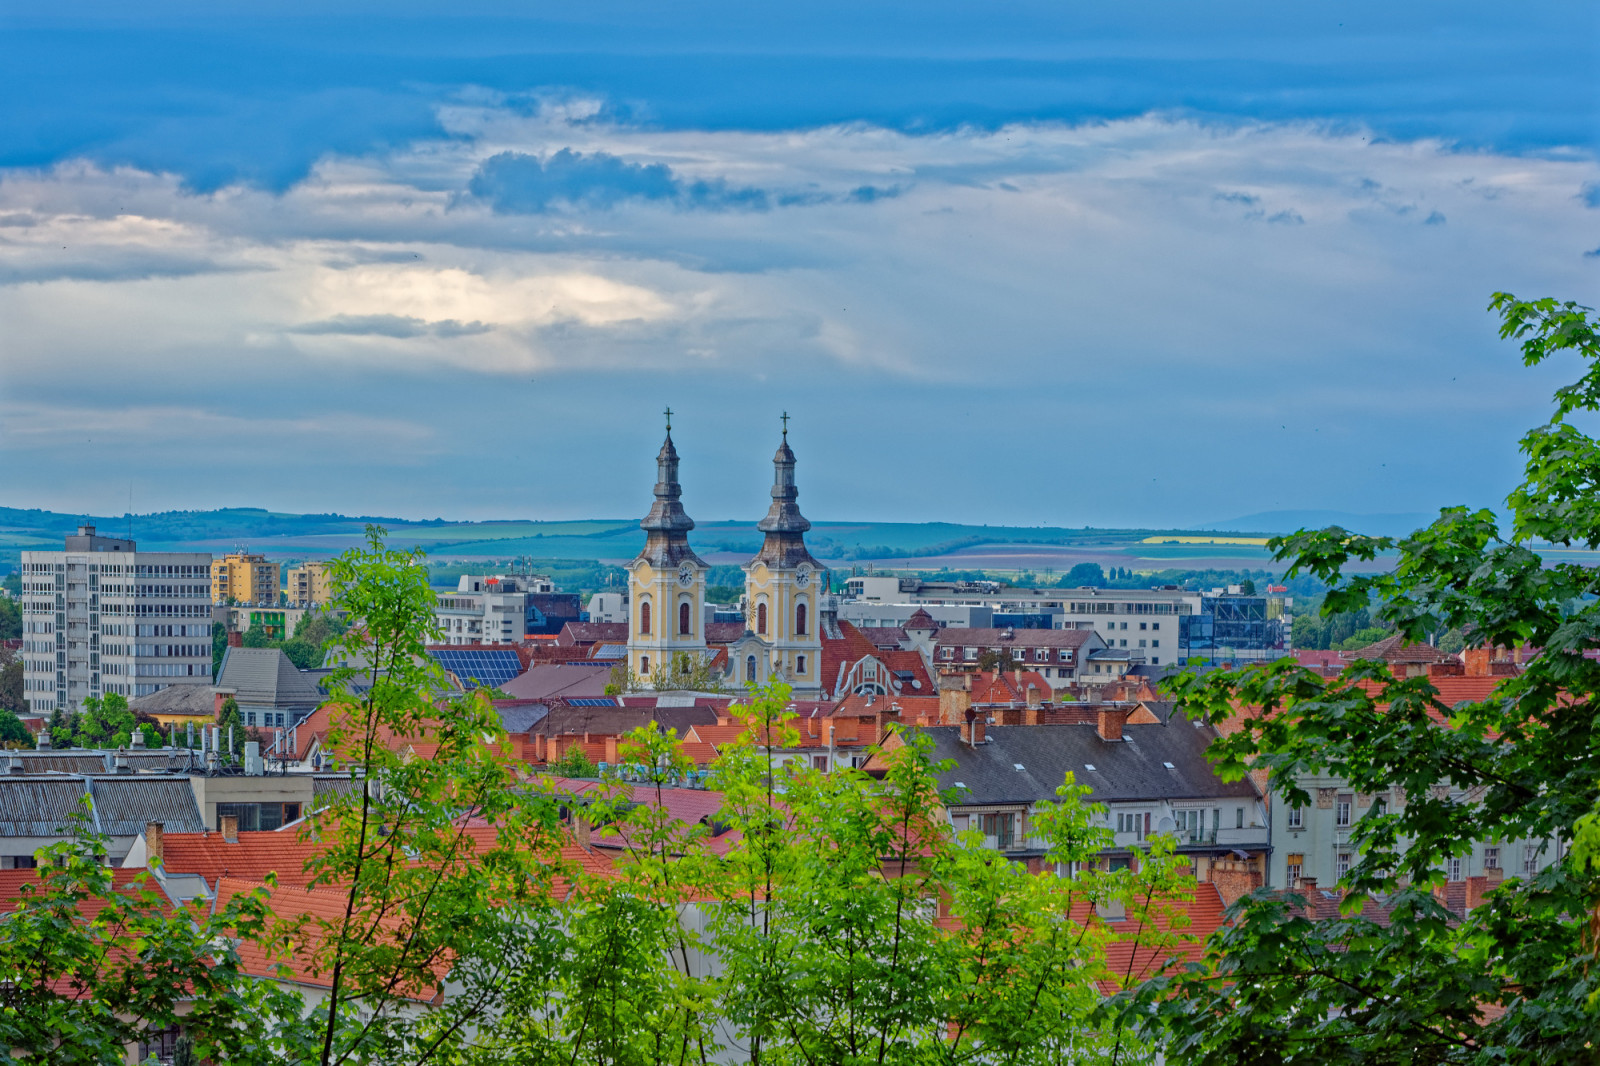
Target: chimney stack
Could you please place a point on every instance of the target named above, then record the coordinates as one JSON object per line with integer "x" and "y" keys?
{"x": 16, "y": 766}
{"x": 1033, "y": 696}
{"x": 119, "y": 763}
{"x": 972, "y": 730}
{"x": 1478, "y": 661}
{"x": 136, "y": 740}
{"x": 230, "y": 828}
{"x": 154, "y": 834}
{"x": 235, "y": 639}
{"x": 1108, "y": 723}
{"x": 45, "y": 742}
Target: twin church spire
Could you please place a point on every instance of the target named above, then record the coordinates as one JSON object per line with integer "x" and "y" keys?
{"x": 667, "y": 584}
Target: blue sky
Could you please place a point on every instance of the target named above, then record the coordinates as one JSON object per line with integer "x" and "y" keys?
{"x": 1149, "y": 264}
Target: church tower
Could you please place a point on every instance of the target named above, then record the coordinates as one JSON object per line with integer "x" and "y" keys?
{"x": 784, "y": 589}
{"x": 667, "y": 581}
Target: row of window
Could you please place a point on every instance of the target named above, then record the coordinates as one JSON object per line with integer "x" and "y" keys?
{"x": 686, "y": 619}
{"x": 1113, "y": 625}
{"x": 1039, "y": 655}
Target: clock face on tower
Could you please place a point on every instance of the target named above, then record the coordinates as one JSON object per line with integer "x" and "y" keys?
{"x": 685, "y": 576}
{"x": 802, "y": 577}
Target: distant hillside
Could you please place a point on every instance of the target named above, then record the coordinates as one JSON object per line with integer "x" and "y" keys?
{"x": 1373, "y": 525}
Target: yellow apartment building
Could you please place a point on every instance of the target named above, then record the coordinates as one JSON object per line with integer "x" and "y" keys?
{"x": 244, "y": 578}
{"x": 310, "y": 583}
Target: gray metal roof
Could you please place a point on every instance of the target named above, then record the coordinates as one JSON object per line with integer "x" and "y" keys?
{"x": 1133, "y": 769}
{"x": 40, "y": 807}
{"x": 520, "y": 718}
{"x": 102, "y": 760}
{"x": 264, "y": 677}
{"x": 177, "y": 699}
{"x": 125, "y": 803}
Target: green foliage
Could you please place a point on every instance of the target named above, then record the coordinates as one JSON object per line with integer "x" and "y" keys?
{"x": 11, "y": 691}
{"x": 234, "y": 734}
{"x": 1330, "y": 629}
{"x": 105, "y": 722}
{"x": 574, "y": 763}
{"x": 13, "y": 734}
{"x": 1083, "y": 574}
{"x": 1361, "y": 638}
{"x": 10, "y": 618}
{"x": 219, "y": 644}
{"x": 1000, "y": 659}
{"x": 13, "y": 583}
{"x": 685, "y": 672}
{"x": 95, "y": 960}
{"x": 1515, "y": 980}
{"x": 727, "y": 595}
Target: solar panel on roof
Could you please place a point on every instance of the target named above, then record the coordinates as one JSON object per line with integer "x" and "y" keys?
{"x": 479, "y": 667}
{"x": 595, "y": 701}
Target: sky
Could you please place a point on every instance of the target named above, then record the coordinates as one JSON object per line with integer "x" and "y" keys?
{"x": 1034, "y": 263}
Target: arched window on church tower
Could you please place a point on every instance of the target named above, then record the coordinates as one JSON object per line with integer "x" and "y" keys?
{"x": 750, "y": 668}
{"x": 644, "y": 617}
{"x": 683, "y": 619}
{"x": 800, "y": 620}
{"x": 761, "y": 618}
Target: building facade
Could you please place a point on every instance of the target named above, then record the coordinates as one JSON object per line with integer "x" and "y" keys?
{"x": 102, "y": 617}
{"x": 666, "y": 581}
{"x": 240, "y": 577}
{"x": 784, "y": 587}
{"x": 309, "y": 585}
{"x": 500, "y": 609}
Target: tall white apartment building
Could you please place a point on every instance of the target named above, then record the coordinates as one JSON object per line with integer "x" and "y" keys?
{"x": 101, "y": 616}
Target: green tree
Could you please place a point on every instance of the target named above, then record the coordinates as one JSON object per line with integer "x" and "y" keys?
{"x": 13, "y": 734}
{"x": 106, "y": 722}
{"x": 10, "y": 619}
{"x": 1515, "y": 980}
{"x": 219, "y": 644}
{"x": 1000, "y": 659}
{"x": 687, "y": 673}
{"x": 96, "y": 961}
{"x": 231, "y": 724}
{"x": 1364, "y": 637}
{"x": 11, "y": 691}
{"x": 1084, "y": 574}
{"x": 1247, "y": 587}
{"x": 574, "y": 763}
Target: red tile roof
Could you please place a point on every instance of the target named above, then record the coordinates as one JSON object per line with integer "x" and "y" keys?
{"x": 253, "y": 857}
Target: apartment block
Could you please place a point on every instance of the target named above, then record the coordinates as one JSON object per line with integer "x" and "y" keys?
{"x": 100, "y": 616}
{"x": 243, "y": 578}
{"x": 309, "y": 584}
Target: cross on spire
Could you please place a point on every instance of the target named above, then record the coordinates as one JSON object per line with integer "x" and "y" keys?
{"x": 669, "y": 419}
{"x": 786, "y": 425}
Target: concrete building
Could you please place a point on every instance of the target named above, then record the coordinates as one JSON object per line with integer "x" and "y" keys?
{"x": 874, "y": 614}
{"x": 608, "y": 607}
{"x": 243, "y": 578}
{"x": 100, "y": 617}
{"x": 309, "y": 584}
{"x": 502, "y": 609}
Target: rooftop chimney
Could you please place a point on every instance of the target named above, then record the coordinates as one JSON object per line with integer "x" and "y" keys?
{"x": 119, "y": 764}
{"x": 235, "y": 639}
{"x": 1478, "y": 661}
{"x": 154, "y": 832}
{"x": 972, "y": 730}
{"x": 136, "y": 741}
{"x": 1108, "y": 723}
{"x": 1033, "y": 696}
{"x": 230, "y": 828}
{"x": 16, "y": 766}
{"x": 45, "y": 743}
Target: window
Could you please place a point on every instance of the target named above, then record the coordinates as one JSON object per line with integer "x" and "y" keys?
{"x": 1341, "y": 865}
{"x": 1001, "y": 827}
{"x": 819, "y": 762}
{"x": 1124, "y": 642}
{"x": 1134, "y": 823}
{"x": 1297, "y": 818}
{"x": 1155, "y": 643}
{"x": 970, "y": 654}
{"x": 761, "y": 618}
{"x": 1454, "y": 872}
{"x": 1530, "y": 859}
{"x": 1141, "y": 644}
{"x": 750, "y": 668}
{"x": 1238, "y": 817}
{"x": 644, "y": 664}
{"x": 1142, "y": 625}
{"x": 683, "y": 619}
{"x": 800, "y": 665}
{"x": 1491, "y": 858}
{"x": 1190, "y": 824}
{"x": 800, "y": 620}
{"x": 644, "y": 621}
{"x": 1155, "y": 625}
{"x": 1295, "y": 864}
{"x": 1341, "y": 810}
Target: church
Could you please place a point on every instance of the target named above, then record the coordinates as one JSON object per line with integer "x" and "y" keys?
{"x": 785, "y": 590}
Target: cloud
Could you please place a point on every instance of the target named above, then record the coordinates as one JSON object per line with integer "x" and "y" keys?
{"x": 518, "y": 183}
{"x": 397, "y": 326}
{"x": 897, "y": 285}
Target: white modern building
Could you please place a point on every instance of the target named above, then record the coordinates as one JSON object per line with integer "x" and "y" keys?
{"x": 488, "y": 608}
{"x": 608, "y": 607}
{"x": 873, "y": 613}
{"x": 100, "y": 616}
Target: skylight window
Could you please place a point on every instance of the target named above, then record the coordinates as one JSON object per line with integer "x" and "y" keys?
{"x": 1088, "y": 766}
{"x": 1016, "y": 766}
{"x": 1169, "y": 766}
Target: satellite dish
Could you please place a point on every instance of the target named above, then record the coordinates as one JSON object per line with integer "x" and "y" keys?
{"x": 1166, "y": 825}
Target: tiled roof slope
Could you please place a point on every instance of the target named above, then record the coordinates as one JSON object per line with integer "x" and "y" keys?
{"x": 265, "y": 676}
{"x": 124, "y": 805}
{"x": 1132, "y": 769}
{"x": 196, "y": 700}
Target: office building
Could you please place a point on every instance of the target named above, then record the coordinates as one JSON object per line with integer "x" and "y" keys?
{"x": 100, "y": 616}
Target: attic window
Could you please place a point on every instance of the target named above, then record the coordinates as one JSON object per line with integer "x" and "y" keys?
{"x": 1017, "y": 766}
{"x": 1088, "y": 766}
{"x": 961, "y": 784}
{"x": 1169, "y": 766}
